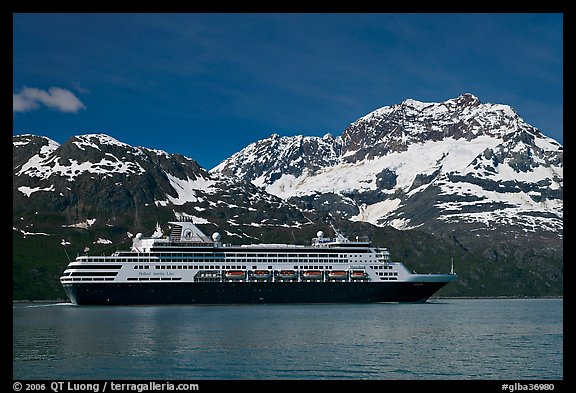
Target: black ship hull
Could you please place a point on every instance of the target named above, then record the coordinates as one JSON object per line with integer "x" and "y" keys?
{"x": 249, "y": 292}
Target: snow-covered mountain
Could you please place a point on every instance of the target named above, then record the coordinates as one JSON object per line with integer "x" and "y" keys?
{"x": 97, "y": 179}
{"x": 422, "y": 165}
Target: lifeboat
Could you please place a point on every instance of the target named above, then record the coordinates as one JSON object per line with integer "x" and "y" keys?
{"x": 261, "y": 274}
{"x": 208, "y": 275}
{"x": 287, "y": 275}
{"x": 337, "y": 275}
{"x": 235, "y": 275}
{"x": 312, "y": 275}
{"x": 358, "y": 275}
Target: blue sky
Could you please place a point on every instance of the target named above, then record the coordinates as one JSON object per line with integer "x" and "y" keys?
{"x": 207, "y": 85}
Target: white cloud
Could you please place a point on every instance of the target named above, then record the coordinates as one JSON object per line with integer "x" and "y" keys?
{"x": 31, "y": 98}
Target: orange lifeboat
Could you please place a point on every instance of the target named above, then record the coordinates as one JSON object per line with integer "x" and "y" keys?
{"x": 312, "y": 275}
{"x": 337, "y": 275}
{"x": 287, "y": 275}
{"x": 261, "y": 274}
{"x": 235, "y": 275}
{"x": 358, "y": 275}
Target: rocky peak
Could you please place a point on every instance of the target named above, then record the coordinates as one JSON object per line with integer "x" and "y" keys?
{"x": 465, "y": 100}
{"x": 26, "y": 146}
{"x": 394, "y": 128}
{"x": 270, "y": 158}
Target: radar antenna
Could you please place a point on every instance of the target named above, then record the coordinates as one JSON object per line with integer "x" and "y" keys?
{"x": 67, "y": 256}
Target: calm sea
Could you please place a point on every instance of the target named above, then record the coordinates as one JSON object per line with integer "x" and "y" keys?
{"x": 470, "y": 339}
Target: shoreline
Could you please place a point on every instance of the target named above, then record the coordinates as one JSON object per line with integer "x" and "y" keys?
{"x": 498, "y": 297}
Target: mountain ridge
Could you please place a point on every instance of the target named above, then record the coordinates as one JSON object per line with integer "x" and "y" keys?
{"x": 387, "y": 156}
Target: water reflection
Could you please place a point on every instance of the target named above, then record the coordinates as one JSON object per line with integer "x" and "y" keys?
{"x": 461, "y": 339}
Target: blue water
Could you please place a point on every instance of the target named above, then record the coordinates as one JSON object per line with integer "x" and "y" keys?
{"x": 470, "y": 339}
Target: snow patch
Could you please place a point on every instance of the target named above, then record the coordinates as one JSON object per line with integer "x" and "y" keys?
{"x": 24, "y": 233}
{"x": 187, "y": 188}
{"x": 29, "y": 190}
{"x": 82, "y": 225}
{"x": 102, "y": 241}
{"x": 373, "y": 213}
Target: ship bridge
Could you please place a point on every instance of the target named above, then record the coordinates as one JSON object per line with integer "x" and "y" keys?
{"x": 338, "y": 241}
{"x": 182, "y": 233}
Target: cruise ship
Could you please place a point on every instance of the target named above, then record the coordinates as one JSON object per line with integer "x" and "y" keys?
{"x": 188, "y": 267}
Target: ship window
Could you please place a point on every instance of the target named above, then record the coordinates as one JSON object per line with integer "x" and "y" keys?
{"x": 135, "y": 266}
{"x": 146, "y": 267}
{"x": 168, "y": 267}
{"x": 269, "y": 267}
{"x": 254, "y": 266}
{"x": 184, "y": 267}
{"x": 157, "y": 267}
{"x": 173, "y": 266}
